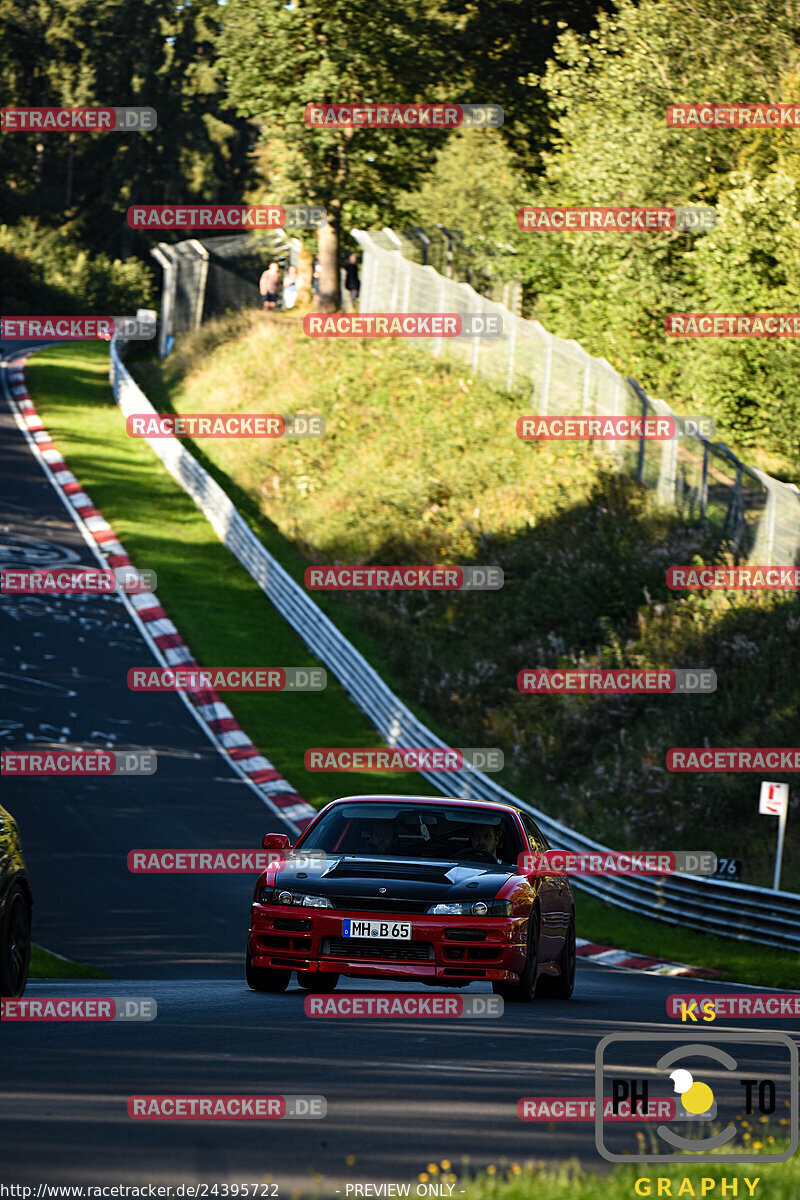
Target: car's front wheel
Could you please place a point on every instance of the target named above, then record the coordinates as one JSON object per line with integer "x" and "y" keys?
{"x": 525, "y": 990}
{"x": 264, "y": 979}
{"x": 317, "y": 981}
{"x": 15, "y": 943}
{"x": 559, "y": 987}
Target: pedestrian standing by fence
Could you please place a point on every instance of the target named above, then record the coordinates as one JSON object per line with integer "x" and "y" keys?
{"x": 351, "y": 280}
{"x": 269, "y": 286}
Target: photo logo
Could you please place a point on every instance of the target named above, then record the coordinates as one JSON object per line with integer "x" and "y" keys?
{"x": 759, "y": 1073}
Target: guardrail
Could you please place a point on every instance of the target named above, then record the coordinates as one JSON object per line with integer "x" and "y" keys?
{"x": 714, "y": 906}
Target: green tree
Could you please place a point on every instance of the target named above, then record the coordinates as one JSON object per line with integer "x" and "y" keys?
{"x": 280, "y": 58}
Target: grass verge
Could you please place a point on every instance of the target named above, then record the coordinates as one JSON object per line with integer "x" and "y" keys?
{"x": 46, "y": 965}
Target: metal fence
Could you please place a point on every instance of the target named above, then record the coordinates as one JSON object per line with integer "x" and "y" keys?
{"x": 730, "y": 909}
{"x": 752, "y": 514}
{"x": 206, "y": 277}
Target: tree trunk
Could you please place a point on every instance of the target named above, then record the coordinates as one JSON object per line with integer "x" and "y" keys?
{"x": 328, "y": 243}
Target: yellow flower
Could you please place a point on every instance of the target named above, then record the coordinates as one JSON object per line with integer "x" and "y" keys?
{"x": 433, "y": 1168}
{"x": 445, "y": 1164}
{"x": 491, "y": 1169}
{"x": 423, "y": 1177}
{"x": 351, "y": 1158}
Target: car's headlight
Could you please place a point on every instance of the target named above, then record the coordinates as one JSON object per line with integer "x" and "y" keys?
{"x": 473, "y": 908}
{"x": 281, "y": 896}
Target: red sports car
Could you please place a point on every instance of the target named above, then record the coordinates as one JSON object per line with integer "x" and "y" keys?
{"x": 413, "y": 888}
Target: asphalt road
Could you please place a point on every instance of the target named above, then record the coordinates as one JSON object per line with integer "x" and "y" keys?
{"x": 400, "y": 1093}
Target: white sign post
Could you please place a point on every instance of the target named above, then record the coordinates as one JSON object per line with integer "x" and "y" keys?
{"x": 774, "y": 802}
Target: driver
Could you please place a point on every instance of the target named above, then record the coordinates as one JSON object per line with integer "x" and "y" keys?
{"x": 381, "y": 837}
{"x": 486, "y": 837}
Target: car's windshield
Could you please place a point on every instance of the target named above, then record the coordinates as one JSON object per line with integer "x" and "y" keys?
{"x": 471, "y": 834}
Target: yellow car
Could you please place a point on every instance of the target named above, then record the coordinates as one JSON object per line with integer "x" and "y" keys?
{"x": 16, "y": 903}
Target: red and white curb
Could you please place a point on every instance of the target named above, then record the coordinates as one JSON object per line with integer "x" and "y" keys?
{"x": 212, "y": 714}
{"x": 636, "y": 962}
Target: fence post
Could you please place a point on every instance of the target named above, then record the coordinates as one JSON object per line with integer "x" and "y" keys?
{"x": 667, "y": 471}
{"x": 512, "y": 338}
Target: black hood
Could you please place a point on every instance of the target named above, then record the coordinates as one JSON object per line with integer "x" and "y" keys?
{"x": 353, "y": 881}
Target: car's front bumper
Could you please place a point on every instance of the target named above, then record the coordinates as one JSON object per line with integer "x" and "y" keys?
{"x": 444, "y": 950}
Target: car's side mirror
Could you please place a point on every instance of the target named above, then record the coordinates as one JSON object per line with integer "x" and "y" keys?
{"x": 276, "y": 841}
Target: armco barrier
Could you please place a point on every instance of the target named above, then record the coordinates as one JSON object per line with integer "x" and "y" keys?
{"x": 714, "y": 906}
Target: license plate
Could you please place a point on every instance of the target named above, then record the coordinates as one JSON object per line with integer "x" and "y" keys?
{"x": 392, "y": 931}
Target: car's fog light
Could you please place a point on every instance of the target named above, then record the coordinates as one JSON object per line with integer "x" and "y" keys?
{"x": 285, "y": 898}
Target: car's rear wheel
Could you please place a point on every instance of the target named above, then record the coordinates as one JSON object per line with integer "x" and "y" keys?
{"x": 559, "y": 987}
{"x": 317, "y": 981}
{"x": 15, "y": 943}
{"x": 265, "y": 979}
{"x": 525, "y": 990}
